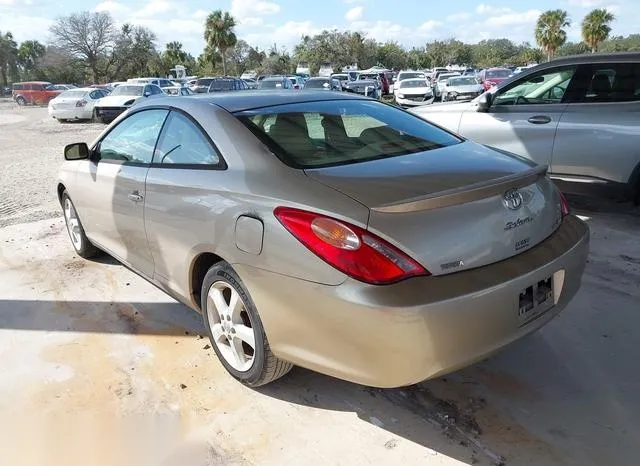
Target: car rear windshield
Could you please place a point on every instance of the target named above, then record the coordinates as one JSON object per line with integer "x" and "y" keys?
{"x": 124, "y": 89}
{"x": 465, "y": 81}
{"x": 413, "y": 83}
{"x": 73, "y": 93}
{"x": 410, "y": 75}
{"x": 340, "y": 132}
{"x": 317, "y": 84}
{"x": 204, "y": 82}
{"x": 221, "y": 85}
{"x": 498, "y": 73}
{"x": 270, "y": 84}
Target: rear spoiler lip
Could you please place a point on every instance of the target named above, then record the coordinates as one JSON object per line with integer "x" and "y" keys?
{"x": 465, "y": 194}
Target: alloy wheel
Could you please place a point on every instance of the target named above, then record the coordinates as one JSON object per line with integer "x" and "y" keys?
{"x": 231, "y": 326}
{"x": 73, "y": 224}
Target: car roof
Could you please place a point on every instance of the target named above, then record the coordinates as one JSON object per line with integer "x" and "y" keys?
{"x": 596, "y": 58}
{"x": 422, "y": 80}
{"x": 317, "y": 78}
{"x": 240, "y": 101}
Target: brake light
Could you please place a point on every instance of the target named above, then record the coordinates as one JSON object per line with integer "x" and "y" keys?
{"x": 81, "y": 103}
{"x": 350, "y": 249}
{"x": 564, "y": 205}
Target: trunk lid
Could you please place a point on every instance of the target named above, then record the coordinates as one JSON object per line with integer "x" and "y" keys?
{"x": 452, "y": 209}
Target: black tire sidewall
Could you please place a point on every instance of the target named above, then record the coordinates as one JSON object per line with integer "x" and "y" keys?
{"x": 222, "y": 271}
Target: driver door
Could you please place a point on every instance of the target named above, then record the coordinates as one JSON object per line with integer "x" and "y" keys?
{"x": 113, "y": 188}
{"x": 524, "y": 115}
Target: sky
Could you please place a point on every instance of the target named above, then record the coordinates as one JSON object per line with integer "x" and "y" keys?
{"x": 263, "y": 23}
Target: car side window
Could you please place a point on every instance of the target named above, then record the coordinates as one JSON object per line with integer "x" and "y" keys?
{"x": 607, "y": 82}
{"x": 183, "y": 143}
{"x": 95, "y": 94}
{"x": 544, "y": 87}
{"x": 156, "y": 90}
{"x": 134, "y": 138}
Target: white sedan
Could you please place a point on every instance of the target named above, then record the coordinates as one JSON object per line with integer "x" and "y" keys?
{"x": 75, "y": 104}
{"x": 413, "y": 92}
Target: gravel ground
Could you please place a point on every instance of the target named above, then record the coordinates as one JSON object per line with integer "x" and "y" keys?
{"x": 32, "y": 146}
{"x": 84, "y": 340}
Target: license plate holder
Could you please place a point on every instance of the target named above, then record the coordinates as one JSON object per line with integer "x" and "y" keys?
{"x": 535, "y": 300}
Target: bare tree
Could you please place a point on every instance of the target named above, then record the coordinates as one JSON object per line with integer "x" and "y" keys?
{"x": 86, "y": 35}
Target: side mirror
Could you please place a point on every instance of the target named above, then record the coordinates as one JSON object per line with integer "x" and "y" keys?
{"x": 147, "y": 94}
{"x": 76, "y": 151}
{"x": 484, "y": 102}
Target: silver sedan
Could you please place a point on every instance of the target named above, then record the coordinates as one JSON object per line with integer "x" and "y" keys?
{"x": 326, "y": 230}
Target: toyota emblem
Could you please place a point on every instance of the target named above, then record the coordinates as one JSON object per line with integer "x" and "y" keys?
{"x": 512, "y": 199}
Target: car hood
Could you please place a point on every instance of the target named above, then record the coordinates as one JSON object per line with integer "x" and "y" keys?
{"x": 445, "y": 107}
{"x": 414, "y": 90}
{"x": 466, "y": 88}
{"x": 116, "y": 100}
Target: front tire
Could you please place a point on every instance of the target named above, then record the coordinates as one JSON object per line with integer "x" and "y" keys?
{"x": 21, "y": 101}
{"x": 79, "y": 239}
{"x": 235, "y": 329}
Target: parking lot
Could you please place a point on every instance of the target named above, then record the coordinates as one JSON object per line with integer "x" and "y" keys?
{"x": 100, "y": 367}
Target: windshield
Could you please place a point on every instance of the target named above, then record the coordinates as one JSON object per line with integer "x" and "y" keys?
{"x": 339, "y": 132}
{"x": 413, "y": 83}
{"x": 73, "y": 94}
{"x": 124, "y": 89}
{"x": 341, "y": 77}
{"x": 462, "y": 81}
{"x": 498, "y": 73}
{"x": 221, "y": 85}
{"x": 317, "y": 84}
{"x": 402, "y": 76}
{"x": 204, "y": 82}
{"x": 368, "y": 76}
{"x": 444, "y": 77}
{"x": 270, "y": 84}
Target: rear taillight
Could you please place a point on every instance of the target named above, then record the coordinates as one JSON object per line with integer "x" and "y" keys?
{"x": 350, "y": 249}
{"x": 81, "y": 103}
{"x": 564, "y": 205}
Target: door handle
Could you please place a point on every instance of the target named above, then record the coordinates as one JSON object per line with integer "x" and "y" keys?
{"x": 135, "y": 196}
{"x": 539, "y": 119}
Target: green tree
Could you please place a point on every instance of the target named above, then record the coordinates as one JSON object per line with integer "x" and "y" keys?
{"x": 392, "y": 55}
{"x": 219, "y": 34}
{"x": 8, "y": 58}
{"x": 595, "y": 27}
{"x": 29, "y": 54}
{"x": 133, "y": 54}
{"x": 550, "y": 33}
{"x": 86, "y": 35}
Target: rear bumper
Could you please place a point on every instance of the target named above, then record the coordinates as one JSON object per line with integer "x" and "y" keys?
{"x": 70, "y": 113}
{"x": 397, "y": 335}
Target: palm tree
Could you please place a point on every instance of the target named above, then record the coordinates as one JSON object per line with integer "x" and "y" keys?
{"x": 219, "y": 35}
{"x": 595, "y": 27}
{"x": 550, "y": 33}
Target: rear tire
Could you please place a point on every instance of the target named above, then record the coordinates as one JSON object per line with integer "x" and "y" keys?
{"x": 225, "y": 322}
{"x": 79, "y": 239}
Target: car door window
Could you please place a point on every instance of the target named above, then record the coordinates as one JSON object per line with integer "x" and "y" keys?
{"x": 134, "y": 138}
{"x": 544, "y": 87}
{"x": 184, "y": 143}
{"x": 95, "y": 95}
{"x": 607, "y": 82}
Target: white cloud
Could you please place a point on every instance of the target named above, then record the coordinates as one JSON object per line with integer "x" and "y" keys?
{"x": 354, "y": 14}
{"x": 6, "y": 2}
{"x": 457, "y": 17}
{"x": 241, "y": 9}
{"x": 491, "y": 10}
{"x": 200, "y": 14}
{"x": 252, "y": 21}
{"x": 586, "y": 3}
{"x": 615, "y": 9}
{"x": 513, "y": 18}
{"x": 112, "y": 7}
{"x": 429, "y": 26}
{"x": 154, "y": 8}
